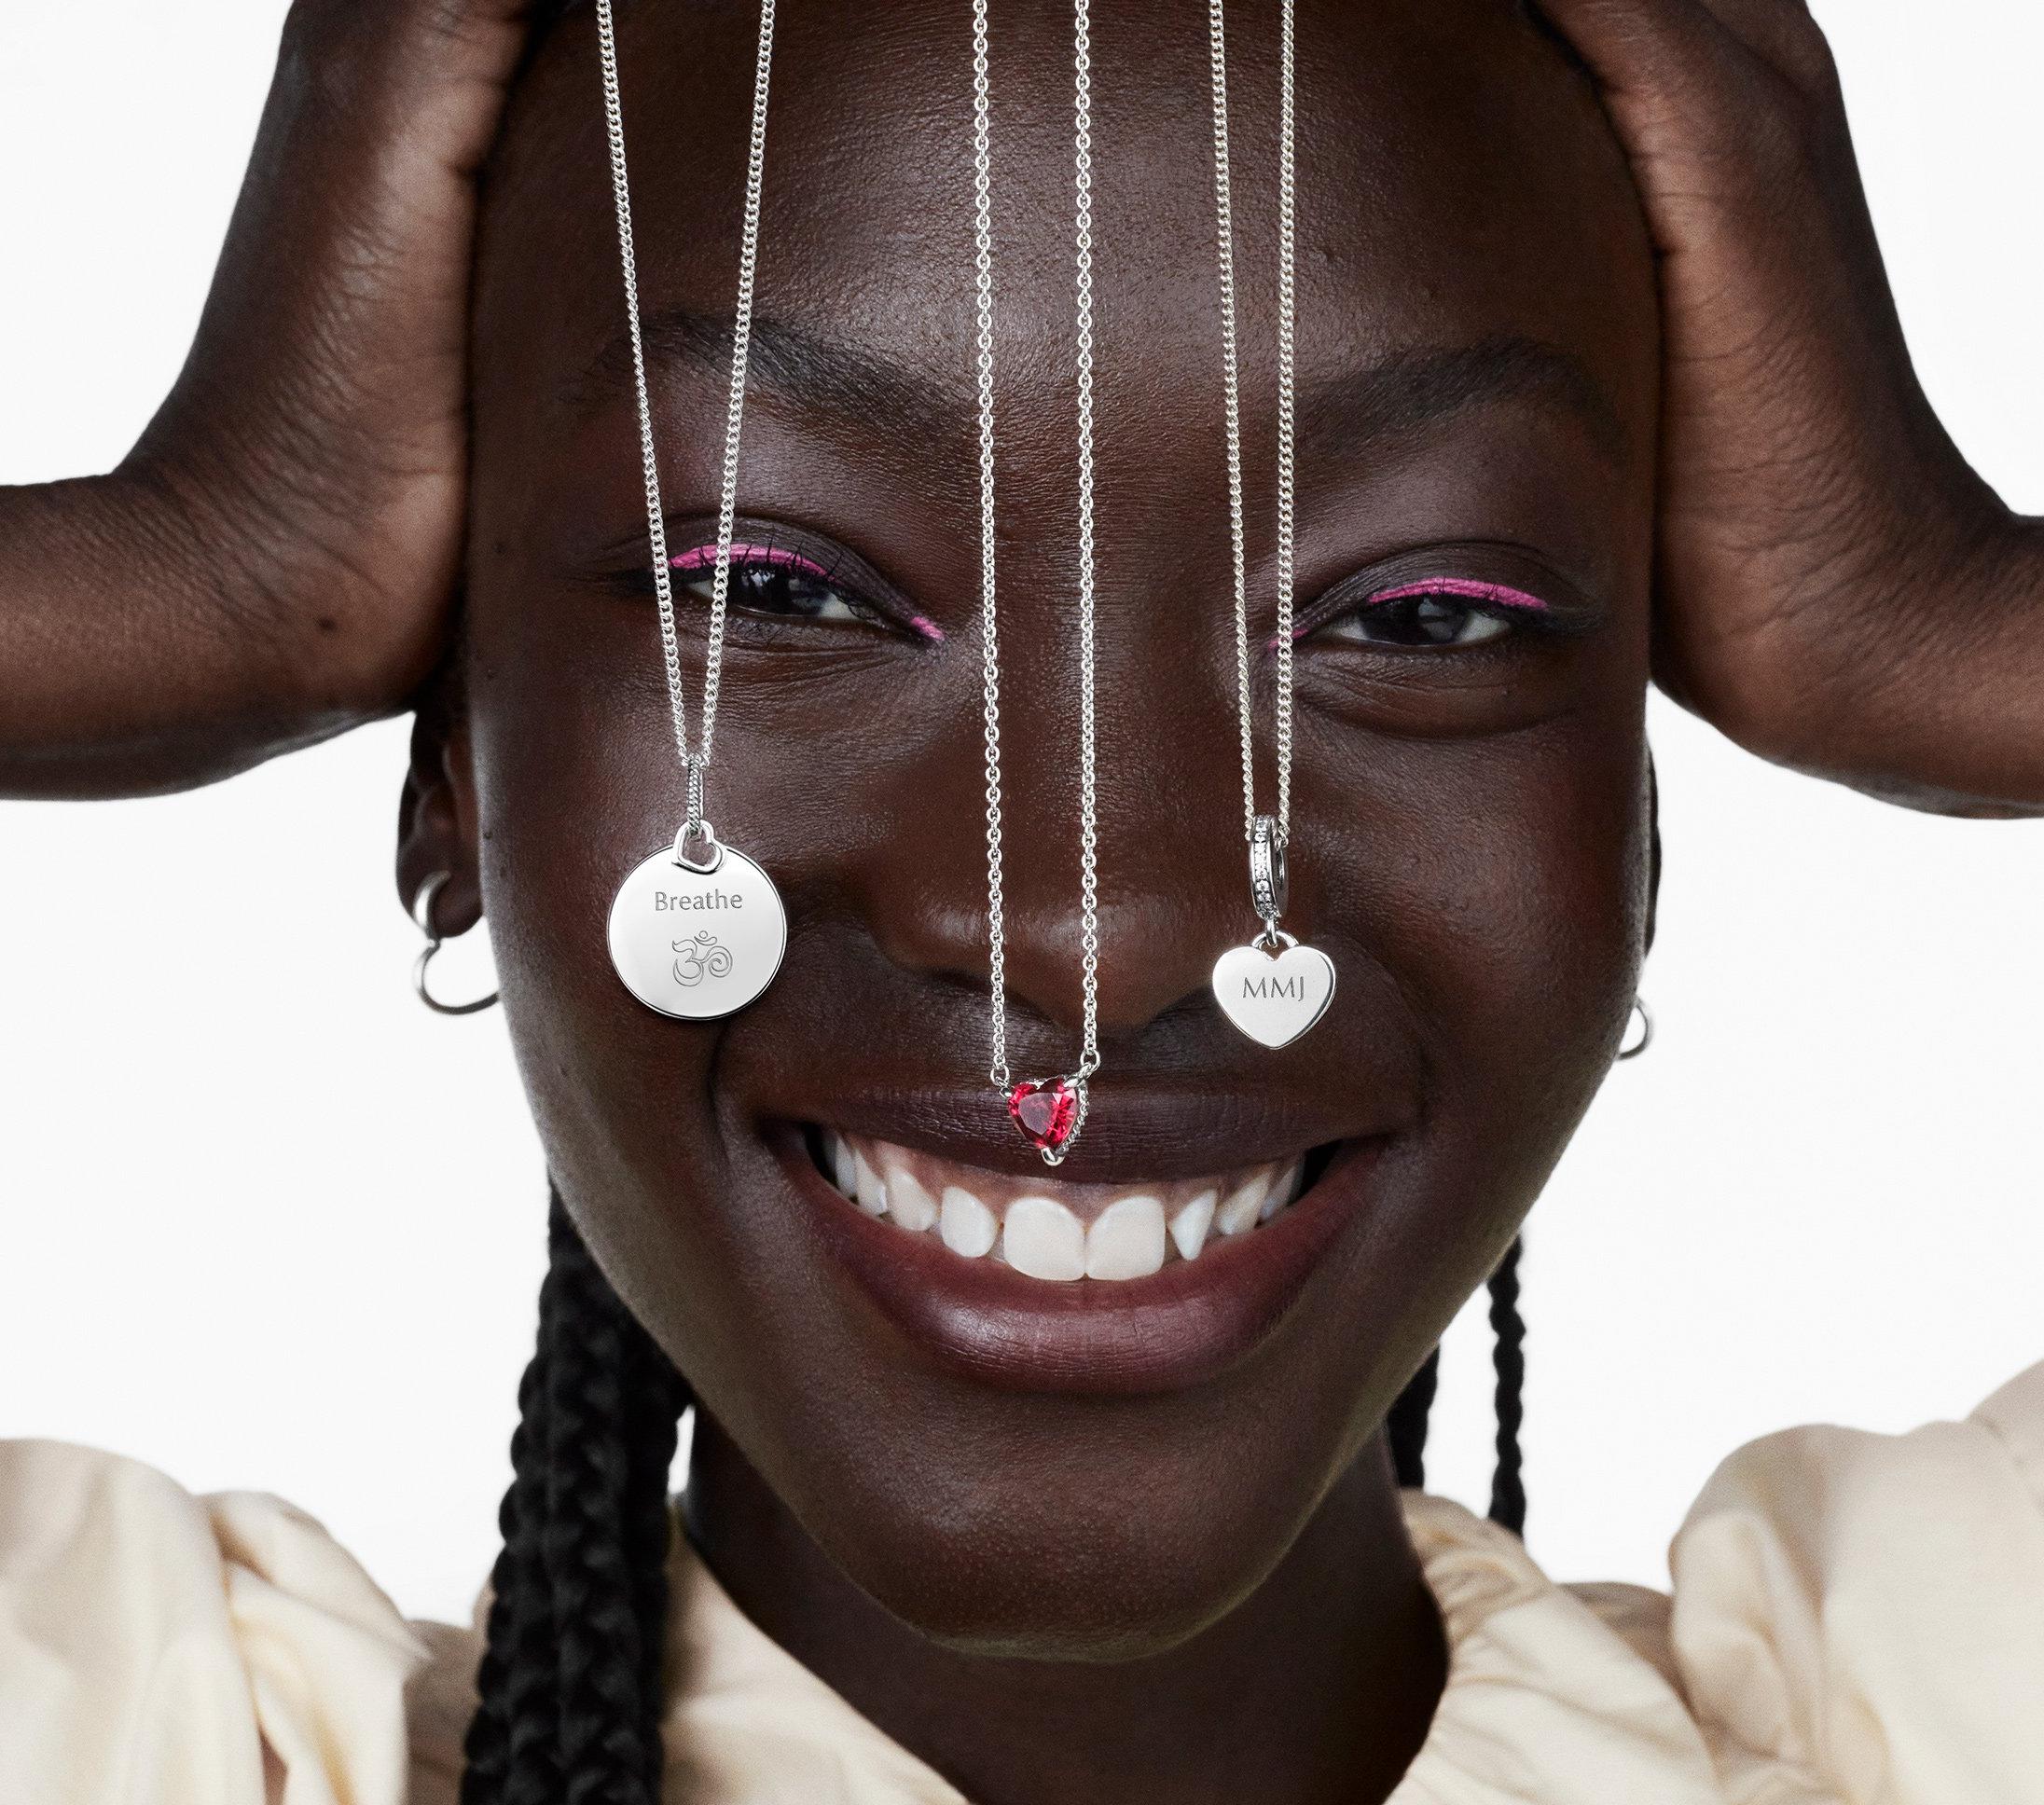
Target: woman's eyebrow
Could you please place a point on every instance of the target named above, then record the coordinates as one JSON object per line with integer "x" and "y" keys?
{"x": 831, "y": 379}
{"x": 1414, "y": 389}
{"x": 812, "y": 373}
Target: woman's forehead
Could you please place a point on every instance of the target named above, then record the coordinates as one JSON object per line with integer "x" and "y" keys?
{"x": 1461, "y": 204}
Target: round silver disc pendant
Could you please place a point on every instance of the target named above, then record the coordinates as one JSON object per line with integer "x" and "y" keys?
{"x": 697, "y": 943}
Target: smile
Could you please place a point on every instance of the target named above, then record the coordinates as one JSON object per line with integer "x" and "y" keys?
{"x": 1112, "y": 1284}
{"x": 1047, "y": 1229}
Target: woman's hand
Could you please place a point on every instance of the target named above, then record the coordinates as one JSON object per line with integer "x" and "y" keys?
{"x": 275, "y": 559}
{"x": 1837, "y": 589}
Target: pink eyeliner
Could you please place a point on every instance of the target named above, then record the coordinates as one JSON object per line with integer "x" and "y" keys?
{"x": 699, "y": 559}
{"x": 704, "y": 557}
{"x": 1463, "y": 588}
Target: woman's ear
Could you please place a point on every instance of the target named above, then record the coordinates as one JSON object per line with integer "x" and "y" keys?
{"x": 436, "y": 828}
{"x": 1653, "y": 847}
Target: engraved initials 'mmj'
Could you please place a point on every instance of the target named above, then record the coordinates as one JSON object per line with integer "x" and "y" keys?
{"x": 1279, "y": 989}
{"x": 698, "y": 958}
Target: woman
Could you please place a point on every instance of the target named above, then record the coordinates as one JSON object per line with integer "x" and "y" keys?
{"x": 973, "y": 1531}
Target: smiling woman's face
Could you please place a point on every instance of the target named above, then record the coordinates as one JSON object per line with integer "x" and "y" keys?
{"x": 1030, "y": 1463}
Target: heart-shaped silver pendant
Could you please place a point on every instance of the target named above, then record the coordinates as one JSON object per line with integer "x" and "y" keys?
{"x": 1274, "y": 992}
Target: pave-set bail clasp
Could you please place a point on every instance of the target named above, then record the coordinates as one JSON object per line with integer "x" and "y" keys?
{"x": 1269, "y": 887}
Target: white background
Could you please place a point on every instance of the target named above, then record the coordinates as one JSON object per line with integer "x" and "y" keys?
{"x": 264, "y": 1223}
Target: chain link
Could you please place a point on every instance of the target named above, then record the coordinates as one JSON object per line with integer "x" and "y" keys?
{"x": 982, "y": 266}
{"x": 696, "y": 762}
{"x": 1231, "y": 400}
{"x": 1089, "y": 883}
{"x": 1287, "y": 386}
{"x": 1089, "y": 929}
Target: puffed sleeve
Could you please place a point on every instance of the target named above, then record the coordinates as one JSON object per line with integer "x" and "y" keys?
{"x": 1867, "y": 1612}
{"x": 158, "y": 1648}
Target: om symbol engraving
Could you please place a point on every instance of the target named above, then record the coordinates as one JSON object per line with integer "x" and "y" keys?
{"x": 700, "y": 956}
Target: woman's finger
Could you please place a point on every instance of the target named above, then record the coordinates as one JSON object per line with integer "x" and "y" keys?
{"x": 1664, "y": 47}
{"x": 1784, "y": 34}
{"x": 430, "y": 51}
{"x": 1643, "y": 49}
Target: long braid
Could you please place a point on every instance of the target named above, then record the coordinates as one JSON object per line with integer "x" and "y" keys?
{"x": 1405, "y": 1428}
{"x": 570, "y": 1687}
{"x": 599, "y": 1665}
{"x": 657, "y": 1398}
{"x": 1406, "y": 1425}
{"x": 520, "y": 1622}
{"x": 1508, "y": 1483}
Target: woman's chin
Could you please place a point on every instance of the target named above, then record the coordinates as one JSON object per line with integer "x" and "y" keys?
{"x": 1108, "y": 1589}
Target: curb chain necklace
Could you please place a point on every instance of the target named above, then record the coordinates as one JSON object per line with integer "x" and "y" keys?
{"x": 698, "y": 931}
{"x": 1050, "y": 1112}
{"x": 1272, "y": 989}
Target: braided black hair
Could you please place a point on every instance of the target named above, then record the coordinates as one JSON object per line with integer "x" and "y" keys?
{"x": 1405, "y": 1428}
{"x": 1508, "y": 1480}
{"x": 570, "y": 1687}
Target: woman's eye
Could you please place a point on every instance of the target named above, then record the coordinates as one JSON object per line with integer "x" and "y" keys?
{"x": 783, "y": 589}
{"x": 1425, "y": 622}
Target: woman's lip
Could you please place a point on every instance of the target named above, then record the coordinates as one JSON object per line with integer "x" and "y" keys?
{"x": 1181, "y": 1326}
{"x": 1151, "y": 1133}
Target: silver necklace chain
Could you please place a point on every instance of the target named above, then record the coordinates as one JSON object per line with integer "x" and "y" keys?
{"x": 696, "y": 762}
{"x": 1287, "y": 383}
{"x": 1090, "y": 883}
{"x": 983, "y": 262}
{"x": 1089, "y": 929}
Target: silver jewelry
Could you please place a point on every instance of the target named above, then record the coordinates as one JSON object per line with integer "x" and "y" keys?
{"x": 422, "y": 912}
{"x": 698, "y": 931}
{"x": 1635, "y": 1049}
{"x": 1272, "y": 989}
{"x": 1049, "y": 1111}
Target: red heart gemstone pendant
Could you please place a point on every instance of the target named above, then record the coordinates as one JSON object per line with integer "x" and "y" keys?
{"x": 1050, "y": 1112}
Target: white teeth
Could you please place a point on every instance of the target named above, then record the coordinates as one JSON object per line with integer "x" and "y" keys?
{"x": 1282, "y": 1193}
{"x": 1128, "y": 1240}
{"x": 966, "y": 1224}
{"x": 908, "y": 1203}
{"x": 1043, "y": 1239}
{"x": 1040, "y": 1233}
{"x": 1244, "y": 1205}
{"x": 1190, "y": 1225}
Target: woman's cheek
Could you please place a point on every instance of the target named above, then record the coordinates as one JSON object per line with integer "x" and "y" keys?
{"x": 1497, "y": 883}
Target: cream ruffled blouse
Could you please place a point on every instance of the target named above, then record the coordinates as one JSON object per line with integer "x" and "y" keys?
{"x": 1855, "y": 1618}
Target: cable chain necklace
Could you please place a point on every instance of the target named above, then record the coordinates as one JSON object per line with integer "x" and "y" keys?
{"x": 1272, "y": 989}
{"x": 1050, "y": 1112}
{"x": 698, "y": 931}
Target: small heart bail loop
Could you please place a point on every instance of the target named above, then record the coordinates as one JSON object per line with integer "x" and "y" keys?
{"x": 697, "y": 847}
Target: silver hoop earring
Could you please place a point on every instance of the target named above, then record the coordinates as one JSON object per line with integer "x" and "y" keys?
{"x": 422, "y": 912}
{"x": 1646, "y": 1032}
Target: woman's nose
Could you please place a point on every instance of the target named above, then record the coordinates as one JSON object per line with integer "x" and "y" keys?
{"x": 1171, "y": 871}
